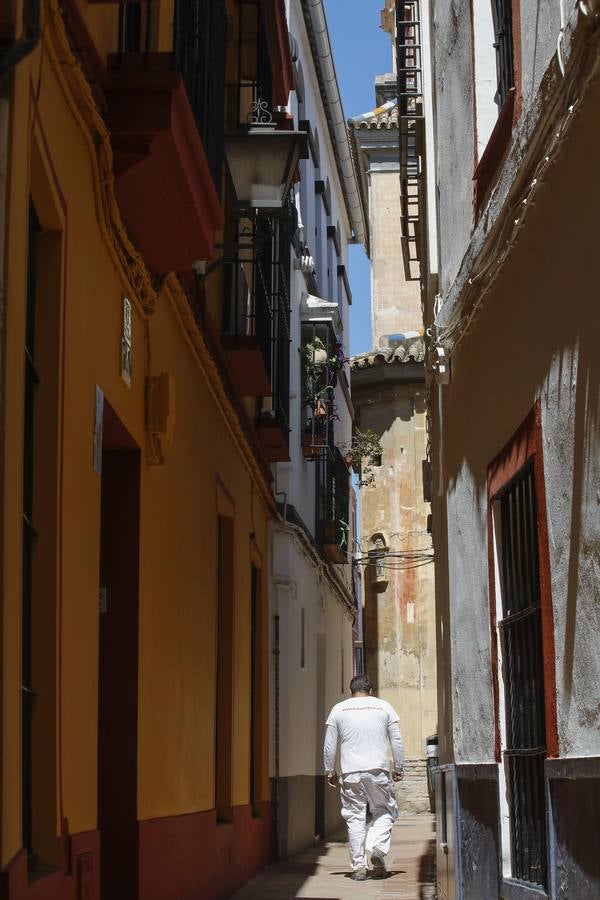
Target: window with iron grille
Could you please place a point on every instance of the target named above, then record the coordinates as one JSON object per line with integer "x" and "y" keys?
{"x": 249, "y": 70}
{"x": 503, "y": 32}
{"x": 321, "y": 357}
{"x": 333, "y": 505}
{"x": 521, "y": 635}
{"x": 199, "y": 50}
{"x": 257, "y": 298}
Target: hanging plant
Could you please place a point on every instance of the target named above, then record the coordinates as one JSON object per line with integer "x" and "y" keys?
{"x": 361, "y": 453}
{"x": 317, "y": 357}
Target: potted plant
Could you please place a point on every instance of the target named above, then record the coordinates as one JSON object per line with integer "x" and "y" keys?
{"x": 361, "y": 453}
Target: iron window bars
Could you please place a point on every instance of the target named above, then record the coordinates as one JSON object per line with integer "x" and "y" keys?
{"x": 319, "y": 351}
{"x": 199, "y": 54}
{"x": 521, "y": 635}
{"x": 503, "y": 32}
{"x": 333, "y": 504}
{"x": 410, "y": 110}
{"x": 253, "y": 79}
{"x": 257, "y": 300}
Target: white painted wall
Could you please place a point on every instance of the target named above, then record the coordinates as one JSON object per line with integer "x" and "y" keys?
{"x": 486, "y": 108}
{"x": 297, "y": 581}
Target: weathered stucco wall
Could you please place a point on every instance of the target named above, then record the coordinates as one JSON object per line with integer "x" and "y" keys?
{"x": 393, "y": 308}
{"x": 454, "y": 129}
{"x": 534, "y": 337}
{"x": 399, "y": 616}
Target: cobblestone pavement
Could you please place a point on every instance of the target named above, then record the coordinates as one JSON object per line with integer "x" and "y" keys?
{"x": 323, "y": 873}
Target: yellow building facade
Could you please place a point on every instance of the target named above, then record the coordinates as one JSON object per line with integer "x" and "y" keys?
{"x": 136, "y": 491}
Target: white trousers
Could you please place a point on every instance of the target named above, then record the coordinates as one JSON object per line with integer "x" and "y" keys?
{"x": 377, "y": 789}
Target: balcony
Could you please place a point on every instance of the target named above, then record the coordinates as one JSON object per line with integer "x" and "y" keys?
{"x": 322, "y": 360}
{"x": 166, "y": 116}
{"x": 333, "y": 507}
{"x": 256, "y": 323}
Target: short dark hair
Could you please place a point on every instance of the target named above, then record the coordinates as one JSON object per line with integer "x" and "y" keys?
{"x": 361, "y": 683}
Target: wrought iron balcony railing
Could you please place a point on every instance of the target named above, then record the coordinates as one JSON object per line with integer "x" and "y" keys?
{"x": 333, "y": 507}
{"x": 199, "y": 54}
{"x": 256, "y": 308}
{"x": 321, "y": 359}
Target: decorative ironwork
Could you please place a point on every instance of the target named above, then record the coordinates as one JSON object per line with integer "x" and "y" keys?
{"x": 259, "y": 114}
{"x": 252, "y": 79}
{"x": 521, "y": 633}
{"x": 257, "y": 300}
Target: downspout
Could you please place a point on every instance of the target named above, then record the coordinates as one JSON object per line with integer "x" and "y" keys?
{"x": 26, "y": 43}
{"x": 314, "y": 11}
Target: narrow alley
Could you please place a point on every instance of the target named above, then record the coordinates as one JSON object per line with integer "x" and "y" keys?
{"x": 322, "y": 873}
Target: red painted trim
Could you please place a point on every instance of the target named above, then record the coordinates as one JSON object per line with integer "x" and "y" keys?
{"x": 524, "y": 445}
{"x": 80, "y": 881}
{"x": 493, "y": 632}
{"x": 548, "y": 649}
{"x": 164, "y": 186}
{"x": 491, "y": 159}
{"x": 191, "y": 856}
{"x": 278, "y": 43}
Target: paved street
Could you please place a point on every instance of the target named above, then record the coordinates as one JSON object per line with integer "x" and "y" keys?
{"x": 323, "y": 873}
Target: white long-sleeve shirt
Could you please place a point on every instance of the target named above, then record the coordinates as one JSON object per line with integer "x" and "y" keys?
{"x": 364, "y": 728}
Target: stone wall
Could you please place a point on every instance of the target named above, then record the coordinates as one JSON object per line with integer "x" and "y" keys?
{"x": 412, "y": 792}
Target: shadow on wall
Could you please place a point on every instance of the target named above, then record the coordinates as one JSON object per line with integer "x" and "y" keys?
{"x": 427, "y": 872}
{"x": 536, "y": 336}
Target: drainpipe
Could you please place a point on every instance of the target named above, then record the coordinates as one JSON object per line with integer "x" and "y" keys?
{"x": 314, "y": 11}
{"x": 18, "y": 50}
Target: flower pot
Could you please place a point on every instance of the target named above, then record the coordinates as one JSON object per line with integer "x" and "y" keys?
{"x": 319, "y": 358}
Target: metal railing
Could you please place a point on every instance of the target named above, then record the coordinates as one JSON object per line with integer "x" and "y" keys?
{"x": 333, "y": 503}
{"x": 253, "y": 78}
{"x": 257, "y": 299}
{"x": 521, "y": 632}
{"x": 319, "y": 352}
{"x": 199, "y": 54}
{"x": 410, "y": 111}
{"x": 503, "y": 33}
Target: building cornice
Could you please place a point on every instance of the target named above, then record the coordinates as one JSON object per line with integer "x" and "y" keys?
{"x": 320, "y": 44}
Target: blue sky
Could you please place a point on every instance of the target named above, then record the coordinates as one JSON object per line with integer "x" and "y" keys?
{"x": 361, "y": 51}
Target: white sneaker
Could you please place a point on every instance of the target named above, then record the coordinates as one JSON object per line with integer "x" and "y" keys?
{"x": 360, "y": 874}
{"x": 378, "y": 863}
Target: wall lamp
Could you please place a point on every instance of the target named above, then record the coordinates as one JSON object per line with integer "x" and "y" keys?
{"x": 262, "y": 160}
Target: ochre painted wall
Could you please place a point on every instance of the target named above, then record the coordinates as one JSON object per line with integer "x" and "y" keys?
{"x": 52, "y": 153}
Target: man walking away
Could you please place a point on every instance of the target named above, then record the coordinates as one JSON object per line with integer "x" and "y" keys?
{"x": 364, "y": 728}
